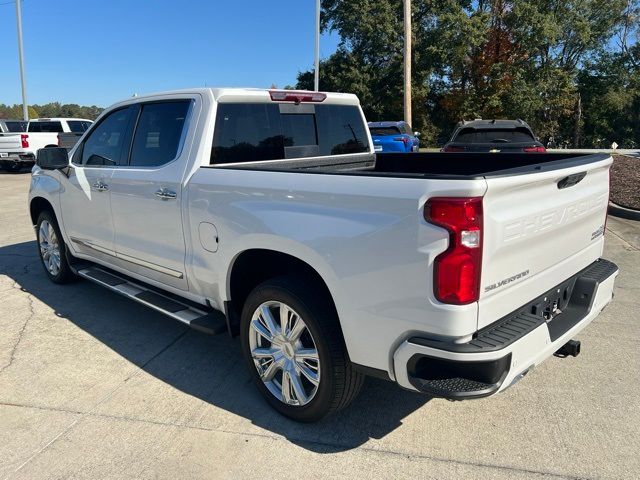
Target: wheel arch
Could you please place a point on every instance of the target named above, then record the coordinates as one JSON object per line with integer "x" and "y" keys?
{"x": 243, "y": 275}
{"x": 37, "y": 205}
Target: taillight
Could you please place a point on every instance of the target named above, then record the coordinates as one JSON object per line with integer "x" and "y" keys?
{"x": 296, "y": 96}
{"x": 58, "y": 140}
{"x": 24, "y": 140}
{"x": 534, "y": 149}
{"x": 404, "y": 140}
{"x": 451, "y": 148}
{"x": 457, "y": 269}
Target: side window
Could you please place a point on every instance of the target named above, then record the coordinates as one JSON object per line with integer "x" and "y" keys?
{"x": 16, "y": 126}
{"x": 78, "y": 126}
{"x": 51, "y": 127}
{"x": 158, "y": 133}
{"x": 108, "y": 143}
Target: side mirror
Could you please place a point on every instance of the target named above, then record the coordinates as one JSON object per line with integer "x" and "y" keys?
{"x": 416, "y": 134}
{"x": 52, "y": 158}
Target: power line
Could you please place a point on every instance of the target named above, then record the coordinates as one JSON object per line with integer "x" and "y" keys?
{"x": 9, "y": 3}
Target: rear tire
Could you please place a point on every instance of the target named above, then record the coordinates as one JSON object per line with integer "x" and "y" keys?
{"x": 301, "y": 369}
{"x": 52, "y": 249}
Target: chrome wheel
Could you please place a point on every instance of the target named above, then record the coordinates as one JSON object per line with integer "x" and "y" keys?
{"x": 49, "y": 247}
{"x": 284, "y": 353}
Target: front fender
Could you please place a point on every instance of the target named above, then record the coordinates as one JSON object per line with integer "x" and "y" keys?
{"x": 46, "y": 185}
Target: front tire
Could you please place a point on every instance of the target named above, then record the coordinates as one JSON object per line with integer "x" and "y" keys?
{"x": 295, "y": 351}
{"x": 52, "y": 249}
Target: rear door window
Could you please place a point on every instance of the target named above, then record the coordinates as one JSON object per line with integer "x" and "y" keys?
{"x": 158, "y": 133}
{"x": 497, "y": 135}
{"x": 246, "y": 132}
{"x": 51, "y": 127}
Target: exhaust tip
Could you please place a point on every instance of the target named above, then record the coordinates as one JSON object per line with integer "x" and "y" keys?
{"x": 571, "y": 348}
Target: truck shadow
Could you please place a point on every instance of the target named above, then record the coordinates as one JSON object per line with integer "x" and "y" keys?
{"x": 210, "y": 368}
{"x": 22, "y": 170}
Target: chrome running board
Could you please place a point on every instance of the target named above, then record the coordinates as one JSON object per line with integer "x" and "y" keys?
{"x": 211, "y": 322}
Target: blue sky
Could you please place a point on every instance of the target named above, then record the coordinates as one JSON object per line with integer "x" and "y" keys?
{"x": 100, "y": 51}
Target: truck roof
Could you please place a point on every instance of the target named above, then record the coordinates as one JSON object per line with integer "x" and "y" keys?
{"x": 58, "y": 119}
{"x": 494, "y": 123}
{"x": 244, "y": 95}
{"x": 387, "y": 123}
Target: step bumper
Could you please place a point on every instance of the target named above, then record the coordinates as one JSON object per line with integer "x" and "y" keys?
{"x": 505, "y": 351}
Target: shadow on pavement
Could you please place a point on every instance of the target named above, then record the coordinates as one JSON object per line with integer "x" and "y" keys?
{"x": 22, "y": 170}
{"x": 206, "y": 367}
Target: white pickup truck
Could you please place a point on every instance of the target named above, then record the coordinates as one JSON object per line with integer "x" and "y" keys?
{"x": 18, "y": 150}
{"x": 267, "y": 214}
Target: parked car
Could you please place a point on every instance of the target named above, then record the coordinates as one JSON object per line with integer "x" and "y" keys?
{"x": 267, "y": 214}
{"x": 495, "y": 136}
{"x": 12, "y": 126}
{"x": 394, "y": 137}
{"x": 17, "y": 150}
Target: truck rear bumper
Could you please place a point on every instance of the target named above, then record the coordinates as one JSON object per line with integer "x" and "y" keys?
{"x": 18, "y": 160}
{"x": 503, "y": 352}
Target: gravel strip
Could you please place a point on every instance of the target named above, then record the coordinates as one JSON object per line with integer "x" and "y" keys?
{"x": 625, "y": 181}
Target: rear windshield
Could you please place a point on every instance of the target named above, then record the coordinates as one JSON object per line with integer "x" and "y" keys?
{"x": 497, "y": 135}
{"x": 16, "y": 126}
{"x": 384, "y": 131}
{"x": 54, "y": 127}
{"x": 78, "y": 126}
{"x": 249, "y": 132}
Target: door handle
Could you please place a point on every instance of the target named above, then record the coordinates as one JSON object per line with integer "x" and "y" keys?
{"x": 100, "y": 186}
{"x": 166, "y": 194}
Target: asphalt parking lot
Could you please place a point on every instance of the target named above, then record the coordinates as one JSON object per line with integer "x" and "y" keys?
{"x": 95, "y": 386}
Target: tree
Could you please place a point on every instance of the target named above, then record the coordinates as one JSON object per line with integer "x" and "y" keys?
{"x": 49, "y": 110}
{"x": 483, "y": 58}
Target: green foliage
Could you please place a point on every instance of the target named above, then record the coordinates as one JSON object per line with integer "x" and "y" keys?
{"x": 48, "y": 110}
{"x": 571, "y": 68}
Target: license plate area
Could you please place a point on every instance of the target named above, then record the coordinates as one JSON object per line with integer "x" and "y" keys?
{"x": 552, "y": 303}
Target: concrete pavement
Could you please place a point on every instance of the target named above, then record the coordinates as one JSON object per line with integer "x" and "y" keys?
{"x": 95, "y": 386}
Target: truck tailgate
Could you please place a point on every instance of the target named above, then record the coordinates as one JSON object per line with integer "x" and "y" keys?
{"x": 10, "y": 142}
{"x": 539, "y": 229}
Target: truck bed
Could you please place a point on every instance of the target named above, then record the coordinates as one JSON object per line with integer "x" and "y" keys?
{"x": 430, "y": 165}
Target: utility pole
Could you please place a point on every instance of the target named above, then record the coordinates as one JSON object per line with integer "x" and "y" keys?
{"x": 25, "y": 110}
{"x": 407, "y": 61}
{"x": 316, "y": 70}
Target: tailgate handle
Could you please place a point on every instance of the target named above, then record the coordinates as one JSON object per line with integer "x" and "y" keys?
{"x": 571, "y": 180}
